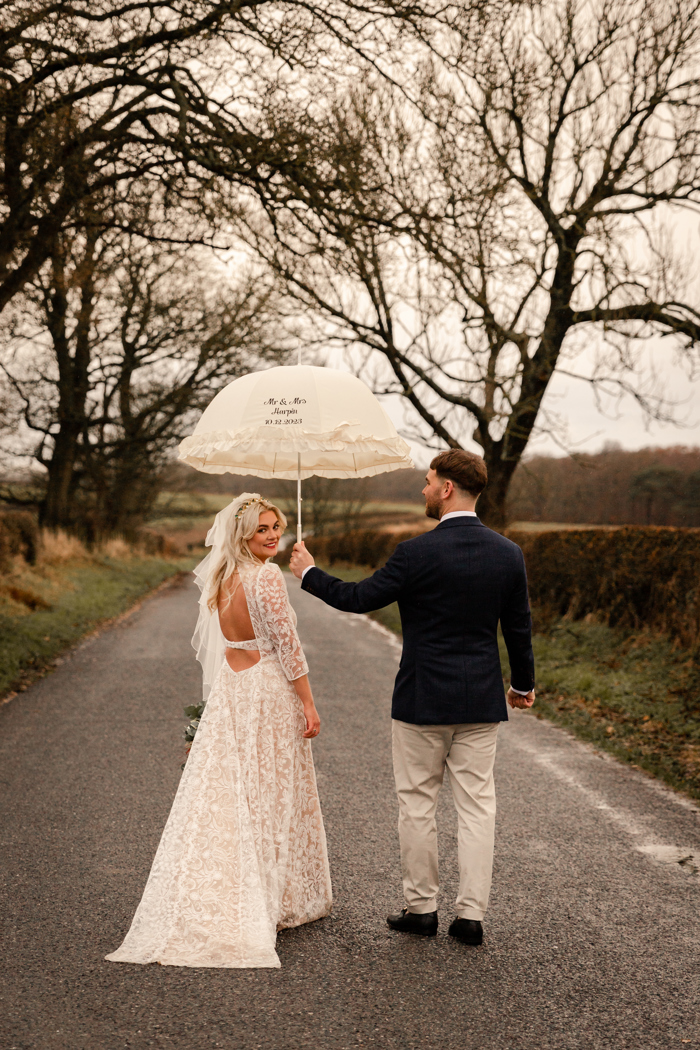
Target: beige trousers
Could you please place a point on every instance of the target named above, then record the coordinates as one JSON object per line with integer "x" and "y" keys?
{"x": 421, "y": 754}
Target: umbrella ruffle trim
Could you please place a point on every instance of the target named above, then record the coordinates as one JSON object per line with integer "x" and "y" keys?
{"x": 261, "y": 439}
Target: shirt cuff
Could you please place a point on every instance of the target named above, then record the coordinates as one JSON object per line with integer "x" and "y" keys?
{"x": 521, "y": 692}
{"x": 306, "y": 570}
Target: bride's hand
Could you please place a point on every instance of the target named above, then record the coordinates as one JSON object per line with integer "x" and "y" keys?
{"x": 313, "y": 722}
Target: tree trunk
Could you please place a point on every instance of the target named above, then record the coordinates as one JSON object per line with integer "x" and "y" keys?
{"x": 56, "y": 511}
{"x": 503, "y": 456}
{"x": 491, "y": 506}
{"x": 73, "y": 379}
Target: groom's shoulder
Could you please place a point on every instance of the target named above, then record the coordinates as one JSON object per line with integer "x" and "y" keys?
{"x": 425, "y": 545}
{"x": 447, "y": 536}
{"x": 501, "y": 545}
{"x": 414, "y": 543}
{"x": 499, "y": 540}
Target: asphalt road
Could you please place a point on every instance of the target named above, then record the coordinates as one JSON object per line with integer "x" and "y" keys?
{"x": 591, "y": 940}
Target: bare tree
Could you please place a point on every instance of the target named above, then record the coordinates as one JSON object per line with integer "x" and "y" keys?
{"x": 95, "y": 94}
{"x": 110, "y": 351}
{"x": 524, "y": 207}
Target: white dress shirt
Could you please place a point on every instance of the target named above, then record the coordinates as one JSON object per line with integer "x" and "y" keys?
{"x": 458, "y": 514}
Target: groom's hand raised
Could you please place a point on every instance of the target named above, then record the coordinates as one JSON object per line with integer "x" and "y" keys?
{"x": 300, "y": 559}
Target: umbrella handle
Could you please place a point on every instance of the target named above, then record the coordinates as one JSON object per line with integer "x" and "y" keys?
{"x": 298, "y": 497}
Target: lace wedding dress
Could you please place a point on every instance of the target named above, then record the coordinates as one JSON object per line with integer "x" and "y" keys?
{"x": 243, "y": 853}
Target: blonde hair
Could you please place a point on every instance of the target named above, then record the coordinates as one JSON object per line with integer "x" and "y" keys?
{"x": 243, "y": 524}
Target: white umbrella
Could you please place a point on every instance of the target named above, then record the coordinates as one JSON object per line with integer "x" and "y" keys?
{"x": 295, "y": 422}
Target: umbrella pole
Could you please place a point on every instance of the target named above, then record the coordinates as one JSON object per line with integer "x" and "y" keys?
{"x": 299, "y": 470}
{"x": 298, "y": 497}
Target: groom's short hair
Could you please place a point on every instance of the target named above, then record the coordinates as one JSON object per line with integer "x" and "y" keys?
{"x": 466, "y": 470}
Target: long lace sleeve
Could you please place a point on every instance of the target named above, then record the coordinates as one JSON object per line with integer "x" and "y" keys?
{"x": 280, "y": 620}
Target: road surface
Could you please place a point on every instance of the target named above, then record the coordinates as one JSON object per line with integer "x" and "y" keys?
{"x": 592, "y": 936}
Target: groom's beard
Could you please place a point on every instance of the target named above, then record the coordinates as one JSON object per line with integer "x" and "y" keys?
{"x": 432, "y": 508}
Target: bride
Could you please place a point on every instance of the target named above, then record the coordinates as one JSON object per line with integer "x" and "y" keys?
{"x": 243, "y": 853}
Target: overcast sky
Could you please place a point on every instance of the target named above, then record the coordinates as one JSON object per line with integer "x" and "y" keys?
{"x": 589, "y": 429}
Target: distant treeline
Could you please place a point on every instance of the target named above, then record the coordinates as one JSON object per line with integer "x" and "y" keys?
{"x": 654, "y": 486}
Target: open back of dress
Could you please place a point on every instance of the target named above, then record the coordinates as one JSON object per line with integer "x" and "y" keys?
{"x": 236, "y": 625}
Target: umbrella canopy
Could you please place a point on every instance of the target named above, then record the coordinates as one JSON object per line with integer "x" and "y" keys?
{"x": 294, "y": 422}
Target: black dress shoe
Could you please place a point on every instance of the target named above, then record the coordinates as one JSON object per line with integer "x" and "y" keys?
{"x": 408, "y": 922}
{"x": 468, "y": 931}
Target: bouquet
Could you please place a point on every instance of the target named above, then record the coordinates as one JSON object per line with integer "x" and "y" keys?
{"x": 194, "y": 712}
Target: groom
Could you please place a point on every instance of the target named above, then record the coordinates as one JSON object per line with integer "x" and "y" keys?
{"x": 453, "y": 586}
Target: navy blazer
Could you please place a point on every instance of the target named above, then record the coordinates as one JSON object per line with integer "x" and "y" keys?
{"x": 453, "y": 585}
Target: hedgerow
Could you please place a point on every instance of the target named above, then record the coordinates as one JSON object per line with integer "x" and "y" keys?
{"x": 627, "y": 577}
{"x": 630, "y": 577}
{"x": 367, "y": 547}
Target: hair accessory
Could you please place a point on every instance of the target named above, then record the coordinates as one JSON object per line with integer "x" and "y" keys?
{"x": 244, "y": 506}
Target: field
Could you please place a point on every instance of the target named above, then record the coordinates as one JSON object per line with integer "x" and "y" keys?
{"x": 185, "y": 518}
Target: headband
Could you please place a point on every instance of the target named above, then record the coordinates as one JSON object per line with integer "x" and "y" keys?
{"x": 244, "y": 506}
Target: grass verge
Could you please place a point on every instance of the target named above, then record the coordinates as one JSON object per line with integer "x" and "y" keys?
{"x": 633, "y": 694}
{"x": 47, "y": 608}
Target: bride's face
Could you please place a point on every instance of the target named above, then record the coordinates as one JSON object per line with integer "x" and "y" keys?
{"x": 266, "y": 540}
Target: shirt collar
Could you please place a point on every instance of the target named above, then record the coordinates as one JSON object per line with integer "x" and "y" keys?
{"x": 458, "y": 514}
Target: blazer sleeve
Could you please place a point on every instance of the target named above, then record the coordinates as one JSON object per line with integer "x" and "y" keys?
{"x": 377, "y": 591}
{"x": 516, "y": 624}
